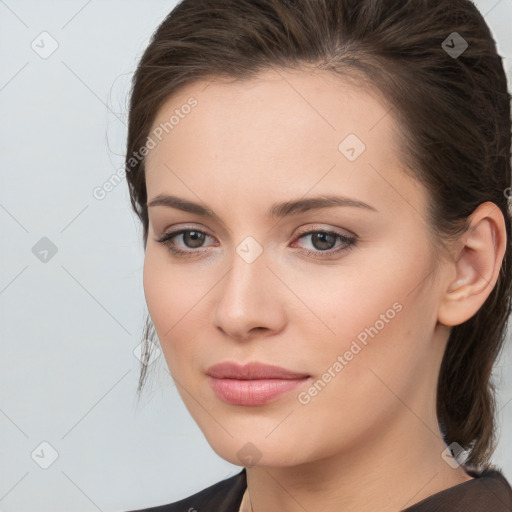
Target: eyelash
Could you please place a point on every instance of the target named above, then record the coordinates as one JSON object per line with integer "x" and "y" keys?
{"x": 349, "y": 243}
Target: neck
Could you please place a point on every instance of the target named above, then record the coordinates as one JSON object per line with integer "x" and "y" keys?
{"x": 400, "y": 468}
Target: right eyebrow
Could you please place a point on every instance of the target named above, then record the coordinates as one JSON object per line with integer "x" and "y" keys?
{"x": 183, "y": 204}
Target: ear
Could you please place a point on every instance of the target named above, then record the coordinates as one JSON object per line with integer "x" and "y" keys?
{"x": 476, "y": 267}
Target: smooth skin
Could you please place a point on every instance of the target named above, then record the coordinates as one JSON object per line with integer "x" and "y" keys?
{"x": 369, "y": 439}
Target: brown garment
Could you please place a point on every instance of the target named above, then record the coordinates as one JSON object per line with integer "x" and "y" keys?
{"x": 489, "y": 491}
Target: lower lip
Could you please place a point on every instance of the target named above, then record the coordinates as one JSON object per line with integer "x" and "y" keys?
{"x": 252, "y": 392}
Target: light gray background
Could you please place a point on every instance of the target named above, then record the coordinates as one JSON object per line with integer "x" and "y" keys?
{"x": 69, "y": 326}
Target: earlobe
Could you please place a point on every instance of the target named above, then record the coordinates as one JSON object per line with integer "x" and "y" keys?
{"x": 477, "y": 266}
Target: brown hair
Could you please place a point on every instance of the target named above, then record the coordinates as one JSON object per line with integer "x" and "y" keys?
{"x": 453, "y": 112}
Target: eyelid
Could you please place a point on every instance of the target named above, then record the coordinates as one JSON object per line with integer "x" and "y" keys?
{"x": 322, "y": 228}
{"x": 307, "y": 230}
{"x": 174, "y": 231}
{"x": 167, "y": 235}
{"x": 348, "y": 241}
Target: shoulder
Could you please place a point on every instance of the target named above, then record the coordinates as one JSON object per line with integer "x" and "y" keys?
{"x": 489, "y": 490}
{"x": 225, "y": 495}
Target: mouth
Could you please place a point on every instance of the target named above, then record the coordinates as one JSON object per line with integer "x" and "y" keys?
{"x": 252, "y": 384}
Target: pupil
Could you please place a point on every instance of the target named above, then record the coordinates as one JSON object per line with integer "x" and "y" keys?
{"x": 195, "y": 237}
{"x": 325, "y": 241}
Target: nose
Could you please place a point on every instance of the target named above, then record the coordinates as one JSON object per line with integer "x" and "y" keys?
{"x": 250, "y": 300}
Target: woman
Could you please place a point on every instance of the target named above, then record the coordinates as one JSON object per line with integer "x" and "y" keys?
{"x": 322, "y": 186}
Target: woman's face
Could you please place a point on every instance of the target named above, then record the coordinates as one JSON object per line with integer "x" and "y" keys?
{"x": 341, "y": 291}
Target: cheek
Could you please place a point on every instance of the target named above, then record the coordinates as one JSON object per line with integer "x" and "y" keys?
{"x": 376, "y": 311}
{"x": 365, "y": 289}
{"x": 382, "y": 328}
{"x": 174, "y": 299}
{"x": 160, "y": 290}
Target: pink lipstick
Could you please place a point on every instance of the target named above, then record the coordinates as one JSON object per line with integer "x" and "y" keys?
{"x": 253, "y": 383}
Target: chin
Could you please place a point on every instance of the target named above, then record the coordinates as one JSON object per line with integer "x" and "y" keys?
{"x": 255, "y": 450}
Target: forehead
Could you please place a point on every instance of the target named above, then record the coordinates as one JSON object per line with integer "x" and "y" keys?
{"x": 281, "y": 130}
{"x": 283, "y": 99}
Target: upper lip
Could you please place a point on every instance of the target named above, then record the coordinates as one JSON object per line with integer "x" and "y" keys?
{"x": 254, "y": 370}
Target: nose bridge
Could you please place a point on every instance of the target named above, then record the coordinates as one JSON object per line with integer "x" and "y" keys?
{"x": 245, "y": 301}
{"x": 248, "y": 269}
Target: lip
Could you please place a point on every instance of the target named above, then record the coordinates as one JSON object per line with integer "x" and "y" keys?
{"x": 252, "y": 371}
{"x": 253, "y": 383}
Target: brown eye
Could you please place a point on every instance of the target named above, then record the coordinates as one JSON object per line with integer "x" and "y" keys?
{"x": 190, "y": 239}
{"x": 323, "y": 243}
{"x": 193, "y": 239}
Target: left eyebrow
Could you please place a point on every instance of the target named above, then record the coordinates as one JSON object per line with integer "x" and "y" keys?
{"x": 278, "y": 210}
{"x": 314, "y": 203}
